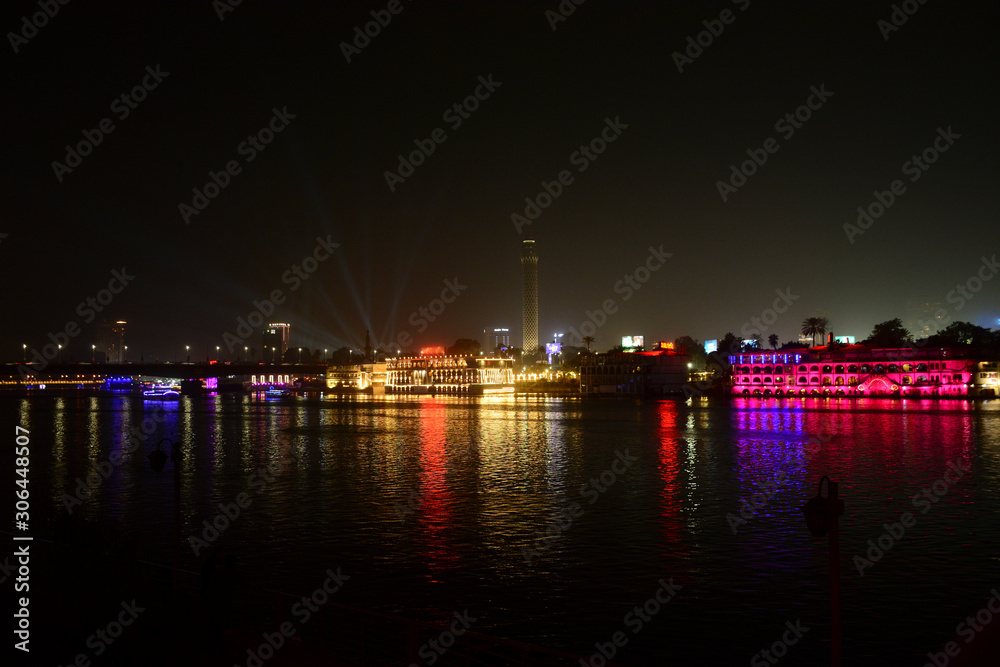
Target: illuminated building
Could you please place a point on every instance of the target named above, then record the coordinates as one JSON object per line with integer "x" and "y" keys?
{"x": 858, "y": 370}
{"x": 529, "y": 297}
{"x": 357, "y": 377}
{"x": 112, "y": 340}
{"x": 495, "y": 338}
{"x": 276, "y": 336}
{"x": 449, "y": 374}
{"x": 656, "y": 372}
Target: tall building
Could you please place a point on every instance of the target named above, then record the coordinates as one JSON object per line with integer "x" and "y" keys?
{"x": 275, "y": 341}
{"x": 529, "y": 296}
{"x": 496, "y": 337}
{"x": 111, "y": 339}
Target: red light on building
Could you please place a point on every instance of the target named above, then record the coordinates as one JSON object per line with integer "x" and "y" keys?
{"x": 432, "y": 351}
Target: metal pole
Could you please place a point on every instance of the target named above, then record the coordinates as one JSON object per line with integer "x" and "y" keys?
{"x": 835, "y": 510}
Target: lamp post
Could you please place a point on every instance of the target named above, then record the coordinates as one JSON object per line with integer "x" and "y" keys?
{"x": 157, "y": 460}
{"x": 822, "y": 519}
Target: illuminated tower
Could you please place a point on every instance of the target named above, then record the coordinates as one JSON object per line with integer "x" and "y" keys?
{"x": 529, "y": 297}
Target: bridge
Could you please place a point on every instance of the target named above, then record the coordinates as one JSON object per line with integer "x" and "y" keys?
{"x": 183, "y": 371}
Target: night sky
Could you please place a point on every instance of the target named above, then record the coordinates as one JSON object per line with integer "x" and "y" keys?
{"x": 323, "y": 174}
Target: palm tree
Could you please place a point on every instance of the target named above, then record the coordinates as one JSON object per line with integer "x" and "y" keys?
{"x": 773, "y": 340}
{"x": 812, "y": 326}
{"x": 588, "y": 341}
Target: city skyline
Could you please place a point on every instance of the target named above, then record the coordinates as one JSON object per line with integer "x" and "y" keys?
{"x": 595, "y": 137}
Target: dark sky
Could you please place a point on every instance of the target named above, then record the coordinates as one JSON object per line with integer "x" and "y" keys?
{"x": 656, "y": 184}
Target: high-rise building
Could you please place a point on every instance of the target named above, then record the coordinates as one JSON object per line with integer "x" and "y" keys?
{"x": 111, "y": 339}
{"x": 275, "y": 341}
{"x": 496, "y": 337}
{"x": 529, "y": 296}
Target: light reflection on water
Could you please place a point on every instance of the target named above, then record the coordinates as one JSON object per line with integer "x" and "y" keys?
{"x": 487, "y": 475}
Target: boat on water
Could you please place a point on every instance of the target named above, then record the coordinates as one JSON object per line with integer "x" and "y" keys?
{"x": 275, "y": 392}
{"x": 160, "y": 393}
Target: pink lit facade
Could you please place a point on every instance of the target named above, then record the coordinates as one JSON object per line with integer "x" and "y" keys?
{"x": 857, "y": 370}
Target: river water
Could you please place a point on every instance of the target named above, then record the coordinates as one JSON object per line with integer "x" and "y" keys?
{"x": 435, "y": 505}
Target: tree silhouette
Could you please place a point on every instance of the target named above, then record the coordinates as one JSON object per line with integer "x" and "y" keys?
{"x": 890, "y": 333}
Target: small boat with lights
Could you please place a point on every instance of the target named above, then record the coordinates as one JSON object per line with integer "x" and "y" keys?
{"x": 159, "y": 392}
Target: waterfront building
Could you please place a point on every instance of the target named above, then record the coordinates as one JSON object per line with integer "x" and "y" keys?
{"x": 367, "y": 377}
{"x": 529, "y": 297}
{"x": 453, "y": 374}
{"x": 661, "y": 371}
{"x": 858, "y": 370}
